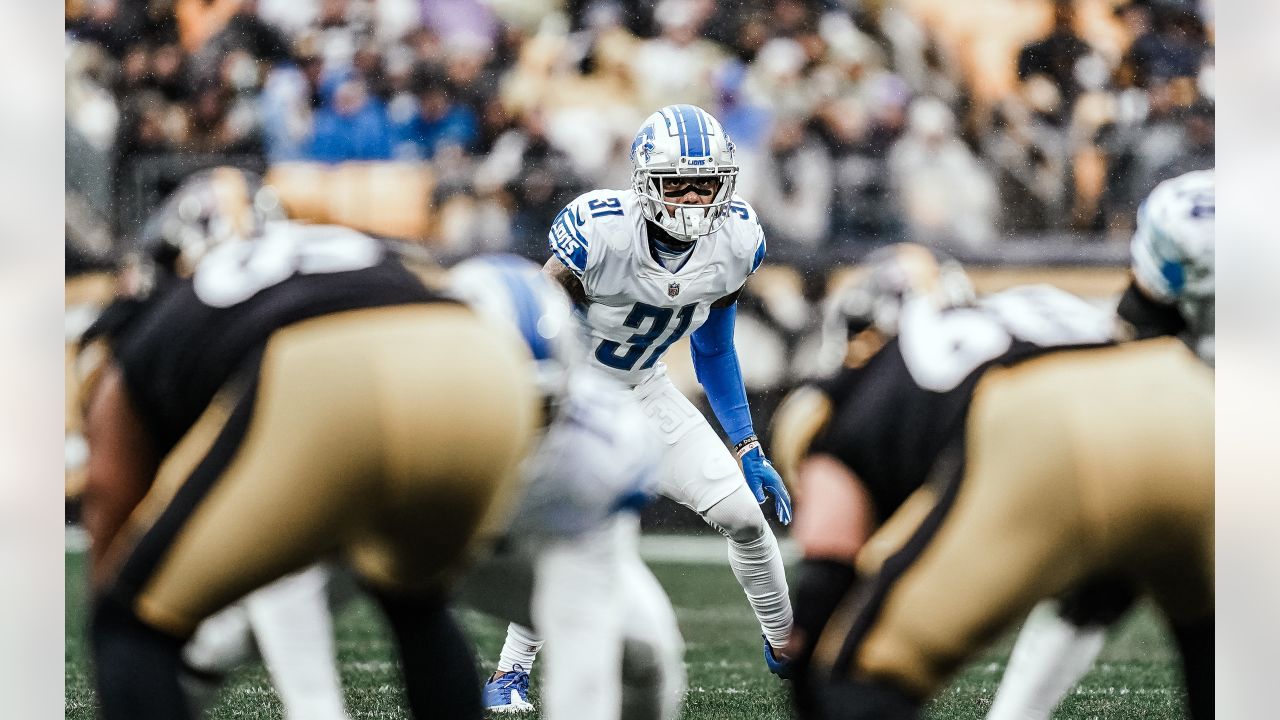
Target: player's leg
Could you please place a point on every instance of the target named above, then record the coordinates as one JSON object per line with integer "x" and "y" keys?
{"x": 138, "y": 666}
{"x": 756, "y": 561}
{"x": 1057, "y": 646}
{"x": 501, "y": 585}
{"x": 997, "y": 527}
{"x": 357, "y": 448}
{"x": 578, "y": 606}
{"x": 699, "y": 472}
{"x": 507, "y": 689}
{"x": 435, "y": 657}
{"x": 222, "y": 643}
{"x": 1048, "y": 659}
{"x": 293, "y": 629}
{"x": 653, "y": 673}
{"x": 458, "y": 424}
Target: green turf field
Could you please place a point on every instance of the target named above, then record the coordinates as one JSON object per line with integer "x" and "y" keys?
{"x": 1136, "y": 677}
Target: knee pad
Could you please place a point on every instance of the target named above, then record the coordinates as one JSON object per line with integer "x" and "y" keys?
{"x": 738, "y": 517}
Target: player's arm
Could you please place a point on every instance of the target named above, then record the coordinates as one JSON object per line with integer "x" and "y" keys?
{"x": 561, "y": 273}
{"x": 834, "y": 517}
{"x": 715, "y": 361}
{"x": 122, "y": 463}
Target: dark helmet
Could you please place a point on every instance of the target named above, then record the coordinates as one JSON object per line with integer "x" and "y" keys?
{"x": 889, "y": 277}
{"x": 209, "y": 208}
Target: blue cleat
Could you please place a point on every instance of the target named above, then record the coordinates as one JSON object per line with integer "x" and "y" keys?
{"x": 781, "y": 668}
{"x": 509, "y": 692}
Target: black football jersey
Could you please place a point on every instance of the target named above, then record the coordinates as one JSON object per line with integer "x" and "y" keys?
{"x": 894, "y": 416}
{"x": 178, "y": 353}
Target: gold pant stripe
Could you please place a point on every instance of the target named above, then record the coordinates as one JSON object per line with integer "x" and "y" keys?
{"x": 386, "y": 432}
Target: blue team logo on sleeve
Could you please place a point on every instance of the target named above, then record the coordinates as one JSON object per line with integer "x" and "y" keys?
{"x": 567, "y": 243}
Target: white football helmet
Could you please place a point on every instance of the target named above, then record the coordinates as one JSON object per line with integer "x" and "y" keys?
{"x": 514, "y": 292}
{"x": 678, "y": 147}
{"x": 1173, "y": 250}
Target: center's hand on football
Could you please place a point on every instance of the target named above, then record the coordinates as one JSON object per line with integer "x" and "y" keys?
{"x": 765, "y": 482}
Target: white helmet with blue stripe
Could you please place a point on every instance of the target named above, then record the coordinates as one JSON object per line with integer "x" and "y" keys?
{"x": 513, "y": 291}
{"x": 682, "y": 146}
{"x": 1173, "y": 252}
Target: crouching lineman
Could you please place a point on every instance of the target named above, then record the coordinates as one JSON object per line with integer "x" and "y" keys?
{"x": 1171, "y": 293}
{"x": 304, "y": 394}
{"x": 982, "y": 457}
{"x": 568, "y": 564}
{"x": 666, "y": 258}
{"x": 287, "y": 622}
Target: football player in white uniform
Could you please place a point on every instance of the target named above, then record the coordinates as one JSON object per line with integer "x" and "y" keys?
{"x": 568, "y": 563}
{"x": 1172, "y": 293}
{"x": 647, "y": 266}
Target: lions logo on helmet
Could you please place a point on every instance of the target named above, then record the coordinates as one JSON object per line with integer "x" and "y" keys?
{"x": 683, "y": 146}
{"x": 514, "y": 292}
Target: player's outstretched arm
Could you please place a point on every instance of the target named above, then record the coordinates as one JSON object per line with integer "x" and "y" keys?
{"x": 715, "y": 360}
{"x": 121, "y": 465}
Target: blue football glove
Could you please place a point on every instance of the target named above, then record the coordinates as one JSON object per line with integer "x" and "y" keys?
{"x": 765, "y": 482}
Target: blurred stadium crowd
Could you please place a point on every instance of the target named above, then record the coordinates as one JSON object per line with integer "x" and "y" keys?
{"x": 857, "y": 122}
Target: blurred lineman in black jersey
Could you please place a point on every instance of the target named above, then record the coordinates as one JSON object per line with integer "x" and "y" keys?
{"x": 976, "y": 456}
{"x": 305, "y": 393}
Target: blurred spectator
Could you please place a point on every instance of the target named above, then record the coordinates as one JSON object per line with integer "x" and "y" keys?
{"x": 353, "y": 126}
{"x": 220, "y": 124}
{"x": 1169, "y": 41}
{"x": 439, "y": 122}
{"x": 246, "y": 30}
{"x": 678, "y": 65}
{"x": 946, "y": 196}
{"x": 1058, "y": 56}
{"x": 793, "y": 188}
{"x": 1031, "y": 156}
{"x": 538, "y": 177}
{"x": 290, "y": 95}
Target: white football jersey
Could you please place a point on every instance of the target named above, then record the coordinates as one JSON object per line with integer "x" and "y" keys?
{"x": 1173, "y": 252}
{"x": 599, "y": 455}
{"x": 638, "y": 308}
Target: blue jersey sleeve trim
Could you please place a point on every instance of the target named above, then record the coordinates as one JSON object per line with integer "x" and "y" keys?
{"x": 759, "y": 258}
{"x": 567, "y": 243}
{"x": 715, "y": 361}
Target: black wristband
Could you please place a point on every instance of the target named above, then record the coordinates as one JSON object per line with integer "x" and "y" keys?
{"x": 744, "y": 443}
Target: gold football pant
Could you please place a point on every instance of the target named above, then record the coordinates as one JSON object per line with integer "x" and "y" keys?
{"x": 1074, "y": 465}
{"x": 386, "y": 434}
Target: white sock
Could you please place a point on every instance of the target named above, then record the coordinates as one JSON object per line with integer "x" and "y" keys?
{"x": 1048, "y": 659}
{"x": 294, "y": 632}
{"x": 756, "y": 561}
{"x": 758, "y": 567}
{"x": 520, "y": 648}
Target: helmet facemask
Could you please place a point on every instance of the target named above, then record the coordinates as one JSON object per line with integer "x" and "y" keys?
{"x": 682, "y": 147}
{"x": 660, "y": 191}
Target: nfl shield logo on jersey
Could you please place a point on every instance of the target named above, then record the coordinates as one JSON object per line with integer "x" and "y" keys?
{"x": 673, "y": 289}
